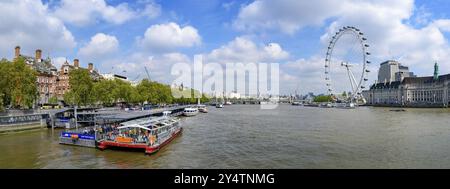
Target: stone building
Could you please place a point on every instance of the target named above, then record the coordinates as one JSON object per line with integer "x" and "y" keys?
{"x": 47, "y": 74}
{"x": 63, "y": 84}
{"x": 431, "y": 91}
{"x": 51, "y": 82}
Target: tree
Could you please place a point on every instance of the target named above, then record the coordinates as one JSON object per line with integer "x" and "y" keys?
{"x": 53, "y": 100}
{"x": 2, "y": 108}
{"x": 5, "y": 85}
{"x": 323, "y": 98}
{"x": 22, "y": 84}
{"x": 153, "y": 92}
{"x": 81, "y": 85}
{"x": 102, "y": 92}
{"x": 123, "y": 91}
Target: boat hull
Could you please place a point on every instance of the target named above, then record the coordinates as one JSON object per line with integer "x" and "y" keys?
{"x": 190, "y": 114}
{"x": 102, "y": 145}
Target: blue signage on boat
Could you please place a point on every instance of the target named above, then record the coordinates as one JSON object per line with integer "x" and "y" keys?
{"x": 77, "y": 136}
{"x": 64, "y": 120}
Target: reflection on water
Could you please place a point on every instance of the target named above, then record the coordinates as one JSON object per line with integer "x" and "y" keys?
{"x": 243, "y": 136}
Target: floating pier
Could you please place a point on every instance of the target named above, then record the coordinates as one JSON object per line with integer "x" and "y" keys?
{"x": 93, "y": 118}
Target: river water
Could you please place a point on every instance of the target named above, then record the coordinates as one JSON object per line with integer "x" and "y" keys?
{"x": 243, "y": 136}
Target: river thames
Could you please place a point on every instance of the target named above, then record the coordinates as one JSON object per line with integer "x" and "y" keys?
{"x": 243, "y": 136}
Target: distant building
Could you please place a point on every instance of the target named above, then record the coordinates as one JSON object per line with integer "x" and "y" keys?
{"x": 46, "y": 80}
{"x": 391, "y": 71}
{"x": 431, "y": 91}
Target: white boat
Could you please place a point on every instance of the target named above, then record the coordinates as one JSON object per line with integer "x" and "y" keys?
{"x": 228, "y": 103}
{"x": 147, "y": 134}
{"x": 326, "y": 105}
{"x": 296, "y": 104}
{"x": 202, "y": 108}
{"x": 345, "y": 105}
{"x": 190, "y": 112}
{"x": 219, "y": 105}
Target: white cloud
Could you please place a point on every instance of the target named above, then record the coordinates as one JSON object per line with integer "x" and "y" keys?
{"x": 244, "y": 50}
{"x": 152, "y": 10}
{"x": 28, "y": 23}
{"x": 59, "y": 61}
{"x": 287, "y": 16}
{"x": 395, "y": 30}
{"x": 159, "y": 66}
{"x": 87, "y": 12}
{"x": 227, "y": 6}
{"x": 384, "y": 24}
{"x": 99, "y": 47}
{"x": 167, "y": 37}
{"x": 307, "y": 75}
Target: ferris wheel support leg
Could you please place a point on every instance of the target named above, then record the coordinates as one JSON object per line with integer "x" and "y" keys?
{"x": 354, "y": 82}
{"x": 349, "y": 73}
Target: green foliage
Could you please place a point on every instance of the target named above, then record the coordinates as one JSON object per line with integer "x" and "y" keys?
{"x": 18, "y": 89}
{"x": 2, "y": 108}
{"x": 102, "y": 92}
{"x": 323, "y": 98}
{"x": 18, "y": 84}
{"x": 5, "y": 85}
{"x": 53, "y": 100}
{"x": 154, "y": 92}
{"x": 81, "y": 85}
{"x": 122, "y": 91}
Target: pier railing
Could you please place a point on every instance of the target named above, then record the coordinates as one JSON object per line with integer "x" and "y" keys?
{"x": 21, "y": 119}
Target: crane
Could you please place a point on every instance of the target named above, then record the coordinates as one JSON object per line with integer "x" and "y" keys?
{"x": 146, "y": 71}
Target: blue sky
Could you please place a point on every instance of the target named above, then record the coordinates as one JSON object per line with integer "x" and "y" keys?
{"x": 118, "y": 35}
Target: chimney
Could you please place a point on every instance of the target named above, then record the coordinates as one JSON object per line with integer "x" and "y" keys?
{"x": 38, "y": 55}
{"x": 76, "y": 63}
{"x": 90, "y": 66}
{"x": 17, "y": 51}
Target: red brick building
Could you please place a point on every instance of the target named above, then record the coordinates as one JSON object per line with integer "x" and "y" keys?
{"x": 51, "y": 82}
{"x": 47, "y": 74}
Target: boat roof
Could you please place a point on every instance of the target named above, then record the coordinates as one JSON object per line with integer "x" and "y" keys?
{"x": 145, "y": 123}
{"x": 134, "y": 126}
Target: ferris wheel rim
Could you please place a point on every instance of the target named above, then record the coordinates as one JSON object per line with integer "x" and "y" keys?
{"x": 364, "y": 47}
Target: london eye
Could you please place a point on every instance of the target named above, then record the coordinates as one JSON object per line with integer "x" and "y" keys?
{"x": 346, "y": 65}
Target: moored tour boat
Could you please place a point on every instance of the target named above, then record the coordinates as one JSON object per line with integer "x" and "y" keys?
{"x": 190, "y": 112}
{"x": 148, "y": 134}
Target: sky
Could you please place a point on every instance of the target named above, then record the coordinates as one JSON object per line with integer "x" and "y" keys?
{"x": 123, "y": 37}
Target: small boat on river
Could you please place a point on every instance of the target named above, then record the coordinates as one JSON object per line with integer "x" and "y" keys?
{"x": 350, "y": 105}
{"x": 147, "y": 134}
{"x": 296, "y": 104}
{"x": 189, "y": 112}
{"x": 202, "y": 109}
